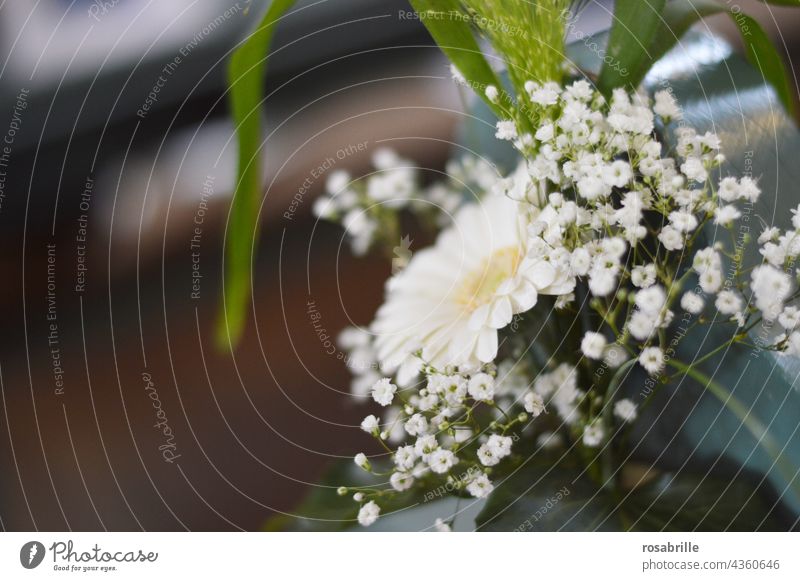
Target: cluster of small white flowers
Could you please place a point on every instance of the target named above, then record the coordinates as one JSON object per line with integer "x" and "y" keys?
{"x": 438, "y": 424}
{"x": 357, "y": 203}
{"x": 363, "y": 205}
{"x": 598, "y": 188}
{"x": 607, "y": 214}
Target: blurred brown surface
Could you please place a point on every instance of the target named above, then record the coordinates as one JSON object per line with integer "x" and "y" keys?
{"x": 249, "y": 431}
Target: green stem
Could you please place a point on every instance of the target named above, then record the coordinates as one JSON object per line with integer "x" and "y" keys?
{"x": 607, "y": 457}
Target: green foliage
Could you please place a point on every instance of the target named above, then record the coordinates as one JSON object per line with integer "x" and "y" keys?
{"x": 325, "y": 510}
{"x": 641, "y": 34}
{"x": 633, "y": 29}
{"x": 639, "y": 37}
{"x": 451, "y": 29}
{"x": 246, "y": 83}
{"x": 527, "y": 36}
{"x": 550, "y": 493}
{"x": 782, "y": 2}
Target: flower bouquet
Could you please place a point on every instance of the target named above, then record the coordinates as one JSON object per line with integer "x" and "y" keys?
{"x": 521, "y": 362}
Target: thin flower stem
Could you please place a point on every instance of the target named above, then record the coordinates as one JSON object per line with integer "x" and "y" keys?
{"x": 607, "y": 456}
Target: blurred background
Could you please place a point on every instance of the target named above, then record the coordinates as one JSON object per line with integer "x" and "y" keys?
{"x": 117, "y": 163}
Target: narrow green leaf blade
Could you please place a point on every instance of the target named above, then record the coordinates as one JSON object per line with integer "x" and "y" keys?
{"x": 782, "y": 2}
{"x": 680, "y": 15}
{"x": 762, "y": 54}
{"x": 635, "y": 23}
{"x": 456, "y": 39}
{"x": 246, "y": 83}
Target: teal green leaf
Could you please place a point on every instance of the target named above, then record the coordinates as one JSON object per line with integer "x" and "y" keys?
{"x": 547, "y": 493}
{"x": 680, "y": 15}
{"x": 551, "y": 494}
{"x": 456, "y": 39}
{"x": 246, "y": 84}
{"x": 762, "y": 54}
{"x": 634, "y": 25}
{"x": 323, "y": 510}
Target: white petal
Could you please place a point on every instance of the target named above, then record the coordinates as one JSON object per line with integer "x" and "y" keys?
{"x": 487, "y": 345}
{"x": 479, "y": 317}
{"x": 541, "y": 274}
{"x": 501, "y": 313}
{"x": 408, "y": 371}
{"x": 525, "y": 297}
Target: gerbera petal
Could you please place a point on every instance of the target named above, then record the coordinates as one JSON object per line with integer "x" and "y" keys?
{"x": 525, "y": 297}
{"x": 541, "y": 273}
{"x": 479, "y": 317}
{"x": 501, "y": 313}
{"x": 487, "y": 345}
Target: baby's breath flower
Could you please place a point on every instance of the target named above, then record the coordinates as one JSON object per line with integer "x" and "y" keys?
{"x": 593, "y": 345}
{"x": 370, "y": 424}
{"x": 671, "y": 238}
{"x": 725, "y": 215}
{"x": 481, "y": 387}
{"x": 362, "y": 461}
{"x": 368, "y": 514}
{"x": 625, "y": 410}
{"x": 441, "y": 526}
{"x": 506, "y": 130}
{"x": 651, "y": 300}
{"x": 480, "y": 486}
{"x": 383, "y": 391}
{"x": 416, "y": 425}
{"x": 594, "y": 434}
{"x": 728, "y": 302}
{"x": 597, "y": 208}
{"x": 652, "y": 359}
{"x": 441, "y": 461}
{"x": 534, "y": 403}
{"x": 666, "y": 106}
{"x": 405, "y": 457}
{"x": 789, "y": 319}
{"x": 692, "y": 303}
{"x": 401, "y": 481}
{"x": 643, "y": 275}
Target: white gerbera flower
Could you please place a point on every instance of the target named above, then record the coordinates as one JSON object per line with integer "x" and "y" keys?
{"x": 452, "y": 298}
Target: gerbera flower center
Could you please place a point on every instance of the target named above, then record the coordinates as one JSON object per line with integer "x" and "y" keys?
{"x": 478, "y": 287}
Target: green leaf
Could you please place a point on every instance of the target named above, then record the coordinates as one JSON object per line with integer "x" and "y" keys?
{"x": 686, "y": 501}
{"x": 246, "y": 83}
{"x": 635, "y": 23}
{"x": 551, "y": 494}
{"x": 324, "y": 510}
{"x": 680, "y": 15}
{"x": 751, "y": 423}
{"x": 456, "y": 39}
{"x": 762, "y": 54}
{"x": 547, "y": 493}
